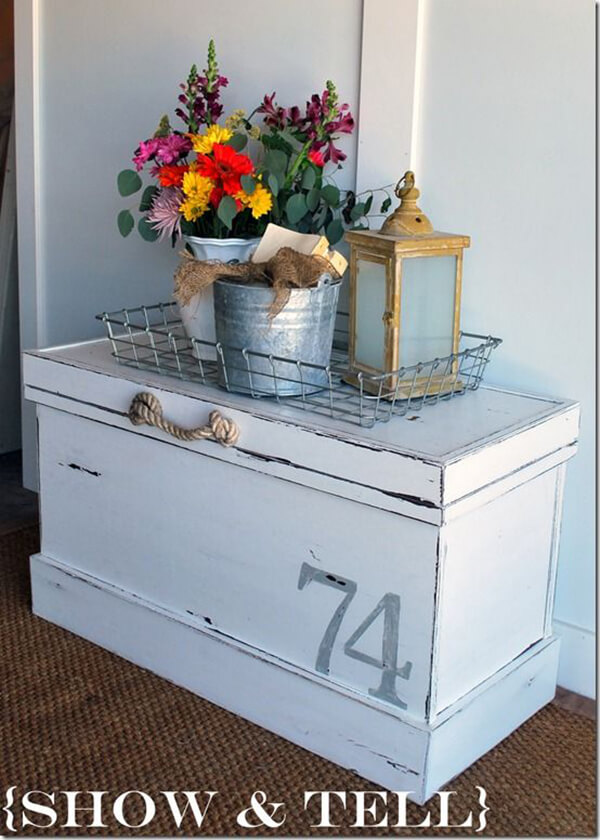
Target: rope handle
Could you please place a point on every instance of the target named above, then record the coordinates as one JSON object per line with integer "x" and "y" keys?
{"x": 146, "y": 408}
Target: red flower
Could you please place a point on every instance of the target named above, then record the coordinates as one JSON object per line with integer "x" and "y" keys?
{"x": 171, "y": 175}
{"x": 225, "y": 167}
{"x": 316, "y": 157}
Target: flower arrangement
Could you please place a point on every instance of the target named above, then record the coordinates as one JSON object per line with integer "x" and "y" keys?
{"x": 231, "y": 179}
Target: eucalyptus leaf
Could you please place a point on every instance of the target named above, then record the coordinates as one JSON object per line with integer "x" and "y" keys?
{"x": 358, "y": 211}
{"x": 331, "y": 195}
{"x": 295, "y": 208}
{"x": 273, "y": 183}
{"x": 368, "y": 204}
{"x": 248, "y": 184}
{"x": 276, "y": 160}
{"x": 128, "y": 182}
{"x": 237, "y": 141}
{"x": 312, "y": 199}
{"x": 146, "y": 231}
{"x": 309, "y": 178}
{"x": 335, "y": 231}
{"x": 227, "y": 211}
{"x": 147, "y": 196}
{"x": 386, "y": 205}
{"x": 125, "y": 222}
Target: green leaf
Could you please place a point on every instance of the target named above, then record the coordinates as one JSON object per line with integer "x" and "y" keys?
{"x": 368, "y": 204}
{"x": 295, "y": 208}
{"x": 273, "y": 183}
{"x": 125, "y": 222}
{"x": 128, "y": 182}
{"x": 276, "y": 160}
{"x": 335, "y": 231}
{"x": 386, "y": 205}
{"x": 147, "y": 196}
{"x": 146, "y": 232}
{"x": 312, "y": 199}
{"x": 248, "y": 184}
{"x": 227, "y": 211}
{"x": 309, "y": 178}
{"x": 358, "y": 211}
{"x": 277, "y": 141}
{"x": 237, "y": 141}
{"x": 331, "y": 195}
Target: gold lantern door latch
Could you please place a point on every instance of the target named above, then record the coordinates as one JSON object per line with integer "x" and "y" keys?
{"x": 407, "y": 218}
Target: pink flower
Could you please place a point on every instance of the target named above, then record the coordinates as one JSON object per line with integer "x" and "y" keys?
{"x": 144, "y": 152}
{"x": 164, "y": 215}
{"x": 172, "y": 148}
{"x": 316, "y": 157}
{"x": 164, "y": 150}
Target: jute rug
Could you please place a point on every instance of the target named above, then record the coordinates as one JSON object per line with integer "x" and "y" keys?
{"x": 75, "y": 717}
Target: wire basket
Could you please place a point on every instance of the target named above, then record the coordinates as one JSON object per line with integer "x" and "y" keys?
{"x": 153, "y": 338}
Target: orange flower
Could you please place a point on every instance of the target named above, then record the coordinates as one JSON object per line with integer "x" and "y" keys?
{"x": 225, "y": 167}
{"x": 171, "y": 175}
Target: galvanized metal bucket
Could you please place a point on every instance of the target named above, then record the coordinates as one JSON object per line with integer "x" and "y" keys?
{"x": 258, "y": 355}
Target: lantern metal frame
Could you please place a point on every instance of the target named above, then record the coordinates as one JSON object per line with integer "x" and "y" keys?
{"x": 391, "y": 251}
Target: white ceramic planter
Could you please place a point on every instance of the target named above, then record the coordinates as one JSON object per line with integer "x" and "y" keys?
{"x": 198, "y": 315}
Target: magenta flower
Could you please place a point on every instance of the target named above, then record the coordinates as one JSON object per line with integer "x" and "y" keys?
{"x": 164, "y": 150}
{"x": 324, "y": 119}
{"x": 145, "y": 152}
{"x": 172, "y": 148}
{"x": 277, "y": 117}
{"x": 164, "y": 215}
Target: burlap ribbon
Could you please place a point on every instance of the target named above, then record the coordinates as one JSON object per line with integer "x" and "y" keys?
{"x": 287, "y": 270}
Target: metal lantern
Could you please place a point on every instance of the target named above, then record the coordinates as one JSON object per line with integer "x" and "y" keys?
{"x": 405, "y": 285}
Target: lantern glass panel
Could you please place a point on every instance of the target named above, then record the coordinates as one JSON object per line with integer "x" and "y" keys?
{"x": 427, "y": 308}
{"x": 369, "y": 339}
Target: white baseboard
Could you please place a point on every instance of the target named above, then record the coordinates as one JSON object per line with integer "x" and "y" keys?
{"x": 577, "y": 664}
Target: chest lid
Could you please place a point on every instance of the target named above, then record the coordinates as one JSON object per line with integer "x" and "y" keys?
{"x": 419, "y": 465}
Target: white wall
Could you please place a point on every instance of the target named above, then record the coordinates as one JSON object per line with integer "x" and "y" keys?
{"x": 505, "y": 153}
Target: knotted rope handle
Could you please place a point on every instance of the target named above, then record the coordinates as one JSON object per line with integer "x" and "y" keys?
{"x": 146, "y": 408}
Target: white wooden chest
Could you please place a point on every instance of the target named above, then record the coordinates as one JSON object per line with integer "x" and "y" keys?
{"x": 380, "y": 596}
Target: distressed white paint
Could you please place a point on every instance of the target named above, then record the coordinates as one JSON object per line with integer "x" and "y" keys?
{"x": 493, "y": 587}
{"x": 215, "y": 539}
{"x": 577, "y": 671}
{"x": 407, "y": 458}
{"x": 205, "y": 538}
{"x": 351, "y": 730}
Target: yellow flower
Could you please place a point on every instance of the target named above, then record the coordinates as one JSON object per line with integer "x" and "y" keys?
{"x": 260, "y": 201}
{"x": 254, "y": 132}
{"x": 193, "y": 209}
{"x": 197, "y": 190}
{"x": 203, "y": 143}
{"x": 235, "y": 119}
{"x": 196, "y": 186}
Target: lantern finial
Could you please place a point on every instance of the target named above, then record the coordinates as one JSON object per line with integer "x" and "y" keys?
{"x": 407, "y": 218}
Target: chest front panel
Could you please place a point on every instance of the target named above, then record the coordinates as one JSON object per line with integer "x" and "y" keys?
{"x": 340, "y": 589}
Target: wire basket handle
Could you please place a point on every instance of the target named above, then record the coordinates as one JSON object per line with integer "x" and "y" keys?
{"x": 146, "y": 408}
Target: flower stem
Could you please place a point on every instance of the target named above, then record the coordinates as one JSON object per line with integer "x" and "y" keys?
{"x": 296, "y": 165}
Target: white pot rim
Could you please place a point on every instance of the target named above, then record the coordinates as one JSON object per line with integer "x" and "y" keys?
{"x": 221, "y": 243}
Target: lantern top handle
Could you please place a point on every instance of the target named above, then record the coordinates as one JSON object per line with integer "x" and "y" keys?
{"x": 407, "y": 218}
